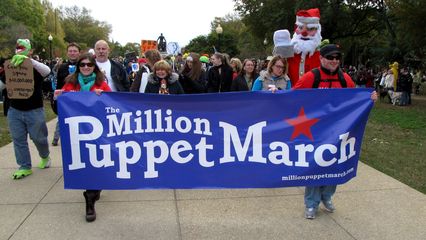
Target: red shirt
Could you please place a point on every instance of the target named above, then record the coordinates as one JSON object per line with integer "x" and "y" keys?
{"x": 295, "y": 62}
{"x": 307, "y": 81}
{"x": 69, "y": 87}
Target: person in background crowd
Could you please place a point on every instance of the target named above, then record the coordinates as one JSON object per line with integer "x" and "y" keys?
{"x": 220, "y": 74}
{"x": 329, "y": 75}
{"x": 193, "y": 76}
{"x": 244, "y": 81}
{"x": 275, "y": 77}
{"x": 205, "y": 64}
{"x": 163, "y": 80}
{"x": 114, "y": 72}
{"x": 417, "y": 81}
{"x": 405, "y": 85}
{"x": 237, "y": 66}
{"x": 387, "y": 84}
{"x": 69, "y": 67}
{"x": 26, "y": 116}
{"x": 361, "y": 78}
{"x": 3, "y": 93}
{"x": 139, "y": 84}
{"x": 87, "y": 77}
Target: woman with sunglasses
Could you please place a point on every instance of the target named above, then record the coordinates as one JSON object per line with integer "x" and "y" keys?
{"x": 87, "y": 77}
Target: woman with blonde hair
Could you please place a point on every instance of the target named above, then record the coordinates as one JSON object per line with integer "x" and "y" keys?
{"x": 163, "y": 80}
{"x": 237, "y": 67}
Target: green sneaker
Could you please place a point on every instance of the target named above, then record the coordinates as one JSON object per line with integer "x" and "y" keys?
{"x": 44, "y": 163}
{"x": 22, "y": 173}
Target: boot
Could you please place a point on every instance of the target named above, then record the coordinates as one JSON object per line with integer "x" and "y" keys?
{"x": 91, "y": 197}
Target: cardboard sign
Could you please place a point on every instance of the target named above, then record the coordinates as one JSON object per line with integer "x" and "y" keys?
{"x": 19, "y": 80}
{"x": 148, "y": 45}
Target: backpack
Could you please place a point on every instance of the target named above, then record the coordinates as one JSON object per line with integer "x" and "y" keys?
{"x": 317, "y": 78}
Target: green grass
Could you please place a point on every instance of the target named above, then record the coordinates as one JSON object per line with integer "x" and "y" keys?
{"x": 4, "y": 129}
{"x": 394, "y": 141}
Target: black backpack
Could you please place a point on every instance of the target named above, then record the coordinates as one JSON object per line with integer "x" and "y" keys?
{"x": 317, "y": 78}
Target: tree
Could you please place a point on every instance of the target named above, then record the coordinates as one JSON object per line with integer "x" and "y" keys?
{"x": 80, "y": 27}
{"x": 20, "y": 19}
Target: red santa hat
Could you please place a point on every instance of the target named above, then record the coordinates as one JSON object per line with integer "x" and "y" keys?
{"x": 310, "y": 17}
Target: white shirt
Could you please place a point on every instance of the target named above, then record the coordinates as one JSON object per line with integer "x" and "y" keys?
{"x": 105, "y": 67}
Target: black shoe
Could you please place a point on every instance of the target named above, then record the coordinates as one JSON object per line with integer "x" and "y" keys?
{"x": 55, "y": 142}
{"x": 90, "y": 205}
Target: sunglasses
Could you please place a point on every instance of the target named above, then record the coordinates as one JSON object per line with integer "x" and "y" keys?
{"x": 332, "y": 57}
{"x": 86, "y": 64}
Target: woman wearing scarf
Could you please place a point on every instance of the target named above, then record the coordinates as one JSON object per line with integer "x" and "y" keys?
{"x": 87, "y": 77}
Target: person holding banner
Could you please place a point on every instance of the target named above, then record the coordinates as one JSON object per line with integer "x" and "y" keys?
{"x": 163, "y": 80}
{"x": 87, "y": 77}
{"x": 26, "y": 113}
{"x": 328, "y": 75}
{"x": 139, "y": 84}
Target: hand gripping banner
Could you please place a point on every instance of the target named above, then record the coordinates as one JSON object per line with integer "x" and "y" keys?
{"x": 227, "y": 140}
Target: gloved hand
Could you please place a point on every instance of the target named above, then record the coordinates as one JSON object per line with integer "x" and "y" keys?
{"x": 17, "y": 60}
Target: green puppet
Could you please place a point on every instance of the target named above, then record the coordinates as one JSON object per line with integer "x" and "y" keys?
{"x": 23, "y": 49}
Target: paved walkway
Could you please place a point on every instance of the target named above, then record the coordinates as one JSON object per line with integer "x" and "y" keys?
{"x": 371, "y": 206}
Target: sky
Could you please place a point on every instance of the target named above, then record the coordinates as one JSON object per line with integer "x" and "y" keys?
{"x": 134, "y": 20}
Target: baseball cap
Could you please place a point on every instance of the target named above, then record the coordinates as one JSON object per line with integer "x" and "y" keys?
{"x": 330, "y": 49}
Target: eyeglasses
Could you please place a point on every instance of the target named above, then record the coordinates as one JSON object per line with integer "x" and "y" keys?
{"x": 332, "y": 57}
{"x": 82, "y": 64}
{"x": 279, "y": 66}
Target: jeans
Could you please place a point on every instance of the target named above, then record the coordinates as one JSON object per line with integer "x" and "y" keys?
{"x": 314, "y": 195}
{"x": 56, "y": 134}
{"x": 22, "y": 123}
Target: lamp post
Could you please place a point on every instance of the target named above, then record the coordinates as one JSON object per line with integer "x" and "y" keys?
{"x": 265, "y": 46}
{"x": 219, "y": 31}
{"x": 50, "y": 38}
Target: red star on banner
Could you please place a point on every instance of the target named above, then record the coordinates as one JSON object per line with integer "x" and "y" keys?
{"x": 302, "y": 125}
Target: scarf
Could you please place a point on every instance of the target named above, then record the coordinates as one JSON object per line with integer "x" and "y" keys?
{"x": 86, "y": 82}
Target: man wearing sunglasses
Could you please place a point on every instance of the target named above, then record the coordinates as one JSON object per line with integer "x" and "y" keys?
{"x": 328, "y": 75}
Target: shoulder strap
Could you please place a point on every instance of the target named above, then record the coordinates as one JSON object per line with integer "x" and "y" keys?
{"x": 342, "y": 79}
{"x": 317, "y": 77}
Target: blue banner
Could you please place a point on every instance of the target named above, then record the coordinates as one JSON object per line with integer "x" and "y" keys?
{"x": 227, "y": 140}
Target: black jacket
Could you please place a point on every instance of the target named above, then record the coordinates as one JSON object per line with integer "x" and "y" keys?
{"x": 119, "y": 77}
{"x": 219, "y": 82}
{"x": 153, "y": 85}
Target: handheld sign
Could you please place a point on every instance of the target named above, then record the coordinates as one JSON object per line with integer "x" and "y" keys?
{"x": 19, "y": 80}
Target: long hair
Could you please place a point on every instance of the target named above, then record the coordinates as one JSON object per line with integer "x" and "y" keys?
{"x": 196, "y": 71}
{"x": 100, "y": 77}
{"x": 276, "y": 59}
{"x": 243, "y": 71}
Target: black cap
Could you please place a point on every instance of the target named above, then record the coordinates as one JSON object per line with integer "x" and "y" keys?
{"x": 330, "y": 49}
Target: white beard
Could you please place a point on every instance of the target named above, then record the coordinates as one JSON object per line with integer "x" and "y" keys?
{"x": 306, "y": 46}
